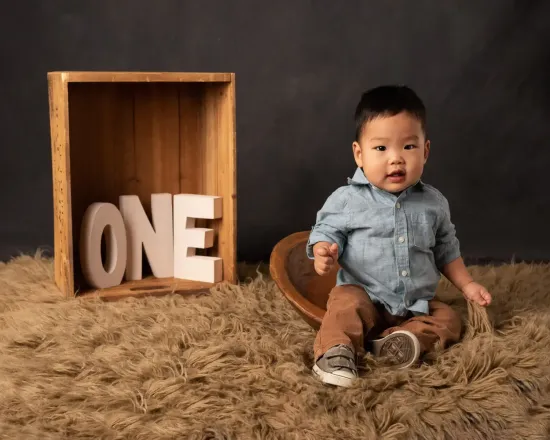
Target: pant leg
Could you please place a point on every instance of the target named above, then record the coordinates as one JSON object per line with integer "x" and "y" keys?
{"x": 350, "y": 315}
{"x": 443, "y": 325}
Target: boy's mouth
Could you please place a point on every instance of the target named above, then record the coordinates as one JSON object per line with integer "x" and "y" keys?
{"x": 397, "y": 176}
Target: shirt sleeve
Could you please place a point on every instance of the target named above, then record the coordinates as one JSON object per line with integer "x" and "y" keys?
{"x": 331, "y": 223}
{"x": 447, "y": 246}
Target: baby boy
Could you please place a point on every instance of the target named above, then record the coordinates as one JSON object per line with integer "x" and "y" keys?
{"x": 392, "y": 237}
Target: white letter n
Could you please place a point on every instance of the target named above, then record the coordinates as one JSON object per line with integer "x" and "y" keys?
{"x": 157, "y": 240}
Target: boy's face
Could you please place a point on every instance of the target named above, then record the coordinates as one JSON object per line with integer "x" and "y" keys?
{"x": 392, "y": 151}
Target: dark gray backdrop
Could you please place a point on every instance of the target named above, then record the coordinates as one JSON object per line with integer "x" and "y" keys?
{"x": 482, "y": 67}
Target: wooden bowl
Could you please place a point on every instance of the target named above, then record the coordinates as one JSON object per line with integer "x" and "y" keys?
{"x": 294, "y": 274}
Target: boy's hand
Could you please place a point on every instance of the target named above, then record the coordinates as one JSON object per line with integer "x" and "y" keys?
{"x": 477, "y": 293}
{"x": 326, "y": 255}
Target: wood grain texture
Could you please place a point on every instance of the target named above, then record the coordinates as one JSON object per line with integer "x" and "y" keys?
{"x": 59, "y": 135}
{"x": 149, "y": 286}
{"x": 295, "y": 275}
{"x": 102, "y": 152}
{"x": 219, "y": 155}
{"x": 140, "y": 134}
{"x": 208, "y": 142}
{"x": 192, "y": 139}
{"x": 156, "y": 140}
{"x": 144, "y": 77}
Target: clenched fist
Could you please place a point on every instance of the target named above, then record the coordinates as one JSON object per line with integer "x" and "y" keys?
{"x": 477, "y": 293}
{"x": 326, "y": 255}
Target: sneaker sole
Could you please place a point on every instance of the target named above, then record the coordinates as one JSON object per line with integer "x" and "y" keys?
{"x": 401, "y": 348}
{"x": 332, "y": 379}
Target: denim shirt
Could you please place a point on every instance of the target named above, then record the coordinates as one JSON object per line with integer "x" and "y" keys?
{"x": 393, "y": 246}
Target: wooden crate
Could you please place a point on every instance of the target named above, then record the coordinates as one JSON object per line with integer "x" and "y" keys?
{"x": 119, "y": 133}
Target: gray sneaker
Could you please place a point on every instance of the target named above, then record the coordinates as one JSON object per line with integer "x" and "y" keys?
{"x": 337, "y": 366}
{"x": 401, "y": 348}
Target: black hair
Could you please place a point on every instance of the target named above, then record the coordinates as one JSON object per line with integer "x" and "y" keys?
{"x": 388, "y": 100}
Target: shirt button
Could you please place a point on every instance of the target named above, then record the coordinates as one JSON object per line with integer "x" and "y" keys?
{"x": 398, "y": 205}
{"x": 404, "y": 273}
{"x": 401, "y": 239}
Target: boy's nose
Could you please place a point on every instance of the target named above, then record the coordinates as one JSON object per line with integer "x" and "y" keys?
{"x": 396, "y": 159}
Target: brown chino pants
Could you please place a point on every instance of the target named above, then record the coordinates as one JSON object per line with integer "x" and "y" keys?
{"x": 352, "y": 319}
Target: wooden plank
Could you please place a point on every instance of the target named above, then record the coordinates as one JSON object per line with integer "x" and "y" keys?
{"x": 227, "y": 177}
{"x": 219, "y": 159}
{"x": 191, "y": 122}
{"x": 149, "y": 286}
{"x": 59, "y": 136}
{"x": 102, "y": 151}
{"x": 71, "y": 76}
{"x": 157, "y": 148}
{"x": 192, "y": 145}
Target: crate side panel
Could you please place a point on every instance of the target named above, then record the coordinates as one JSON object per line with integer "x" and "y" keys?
{"x": 219, "y": 161}
{"x": 61, "y": 175}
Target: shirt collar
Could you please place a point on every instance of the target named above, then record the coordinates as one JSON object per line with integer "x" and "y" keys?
{"x": 358, "y": 178}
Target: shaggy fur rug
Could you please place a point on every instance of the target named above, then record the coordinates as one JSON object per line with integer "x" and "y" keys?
{"x": 236, "y": 364}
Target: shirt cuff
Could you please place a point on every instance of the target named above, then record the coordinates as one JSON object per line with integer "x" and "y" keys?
{"x": 447, "y": 255}
{"x": 316, "y": 237}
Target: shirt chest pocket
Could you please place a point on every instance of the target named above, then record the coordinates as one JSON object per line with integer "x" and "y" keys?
{"x": 422, "y": 230}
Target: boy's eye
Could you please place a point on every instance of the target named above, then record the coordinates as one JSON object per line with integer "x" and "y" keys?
{"x": 409, "y": 147}
{"x": 380, "y": 148}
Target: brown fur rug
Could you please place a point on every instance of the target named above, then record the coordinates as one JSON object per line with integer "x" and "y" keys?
{"x": 237, "y": 365}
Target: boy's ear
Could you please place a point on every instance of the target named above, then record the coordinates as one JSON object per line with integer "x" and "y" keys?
{"x": 357, "y": 154}
{"x": 426, "y": 151}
